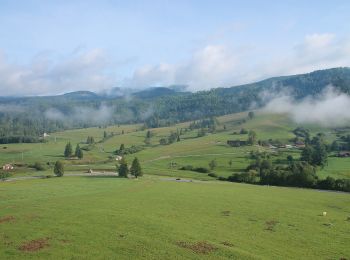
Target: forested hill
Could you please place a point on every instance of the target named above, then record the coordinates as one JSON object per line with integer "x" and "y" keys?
{"x": 31, "y": 116}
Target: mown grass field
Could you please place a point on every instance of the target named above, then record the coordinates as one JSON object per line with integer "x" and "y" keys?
{"x": 155, "y": 218}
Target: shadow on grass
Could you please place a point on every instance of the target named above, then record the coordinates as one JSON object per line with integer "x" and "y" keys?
{"x": 104, "y": 176}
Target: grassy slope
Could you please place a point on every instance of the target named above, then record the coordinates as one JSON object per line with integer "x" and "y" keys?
{"x": 104, "y": 218}
{"x": 156, "y": 158}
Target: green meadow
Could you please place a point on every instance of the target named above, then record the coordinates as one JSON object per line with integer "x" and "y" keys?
{"x": 158, "y": 159}
{"x": 157, "y": 217}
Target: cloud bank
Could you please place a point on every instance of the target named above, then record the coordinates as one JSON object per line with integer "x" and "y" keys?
{"x": 82, "y": 114}
{"x": 329, "y": 109}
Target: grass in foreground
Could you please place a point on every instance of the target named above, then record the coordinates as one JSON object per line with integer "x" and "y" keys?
{"x": 104, "y": 218}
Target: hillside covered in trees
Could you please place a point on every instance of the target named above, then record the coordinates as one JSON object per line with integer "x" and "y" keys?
{"x": 24, "y": 119}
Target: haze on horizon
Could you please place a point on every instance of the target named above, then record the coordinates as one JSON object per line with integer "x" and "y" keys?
{"x": 52, "y": 47}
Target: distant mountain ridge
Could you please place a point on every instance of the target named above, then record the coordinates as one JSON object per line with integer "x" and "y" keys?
{"x": 155, "y": 106}
{"x": 300, "y": 85}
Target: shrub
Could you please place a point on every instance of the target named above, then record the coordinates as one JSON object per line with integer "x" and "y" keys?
{"x": 194, "y": 169}
{"x": 212, "y": 175}
{"x": 38, "y": 166}
{"x": 201, "y": 169}
{"x": 129, "y": 150}
{"x": 187, "y": 168}
{"x": 58, "y": 169}
{"x": 4, "y": 175}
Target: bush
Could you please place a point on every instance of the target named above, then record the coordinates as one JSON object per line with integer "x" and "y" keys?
{"x": 187, "y": 168}
{"x": 194, "y": 169}
{"x": 201, "y": 169}
{"x": 212, "y": 175}
{"x": 38, "y": 166}
{"x": 247, "y": 177}
{"x": 4, "y": 175}
{"x": 58, "y": 169}
{"x": 129, "y": 150}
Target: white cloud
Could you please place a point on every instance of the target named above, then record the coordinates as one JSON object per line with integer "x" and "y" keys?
{"x": 316, "y": 51}
{"x": 221, "y": 66}
{"x": 208, "y": 67}
{"x": 80, "y": 71}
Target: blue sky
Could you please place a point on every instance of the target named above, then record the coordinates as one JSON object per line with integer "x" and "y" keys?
{"x": 50, "y": 47}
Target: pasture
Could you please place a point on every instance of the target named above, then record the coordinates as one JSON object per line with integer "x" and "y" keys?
{"x": 158, "y": 218}
{"x": 159, "y": 159}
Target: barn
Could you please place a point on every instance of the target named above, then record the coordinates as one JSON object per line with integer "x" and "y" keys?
{"x": 236, "y": 143}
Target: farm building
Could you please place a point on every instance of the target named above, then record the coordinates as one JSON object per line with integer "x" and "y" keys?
{"x": 7, "y": 167}
{"x": 344, "y": 154}
{"x": 299, "y": 144}
{"x": 236, "y": 143}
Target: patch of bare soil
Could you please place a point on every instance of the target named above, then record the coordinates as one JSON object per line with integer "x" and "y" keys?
{"x": 7, "y": 219}
{"x": 271, "y": 224}
{"x": 34, "y": 245}
{"x": 201, "y": 247}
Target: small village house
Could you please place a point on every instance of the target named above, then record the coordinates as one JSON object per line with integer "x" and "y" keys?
{"x": 7, "y": 167}
{"x": 236, "y": 143}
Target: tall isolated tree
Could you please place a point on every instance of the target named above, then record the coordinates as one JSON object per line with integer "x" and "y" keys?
{"x": 148, "y": 137}
{"x": 68, "y": 151}
{"x": 77, "y": 148}
{"x": 123, "y": 168}
{"x": 80, "y": 153}
{"x": 90, "y": 140}
{"x": 136, "y": 168}
{"x": 212, "y": 164}
{"x": 58, "y": 169}
{"x": 230, "y": 163}
{"x": 251, "y": 115}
